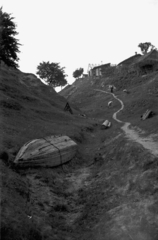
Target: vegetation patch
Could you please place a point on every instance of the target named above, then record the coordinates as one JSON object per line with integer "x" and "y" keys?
{"x": 10, "y": 104}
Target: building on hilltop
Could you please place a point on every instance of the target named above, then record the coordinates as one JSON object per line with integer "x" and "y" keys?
{"x": 139, "y": 64}
{"x": 84, "y": 75}
{"x": 129, "y": 60}
{"x": 98, "y": 70}
{"x": 148, "y": 62}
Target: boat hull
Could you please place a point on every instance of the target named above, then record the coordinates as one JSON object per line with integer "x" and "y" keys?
{"x": 47, "y": 152}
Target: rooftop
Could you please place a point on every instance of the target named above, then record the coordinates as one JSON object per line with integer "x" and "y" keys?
{"x": 101, "y": 66}
{"x": 130, "y": 60}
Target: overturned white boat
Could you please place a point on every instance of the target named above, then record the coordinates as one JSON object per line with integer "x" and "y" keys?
{"x": 47, "y": 152}
{"x": 106, "y": 124}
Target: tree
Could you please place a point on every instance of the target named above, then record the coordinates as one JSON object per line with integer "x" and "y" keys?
{"x": 78, "y": 72}
{"x": 9, "y": 46}
{"x": 63, "y": 83}
{"x": 145, "y": 47}
{"x": 52, "y": 74}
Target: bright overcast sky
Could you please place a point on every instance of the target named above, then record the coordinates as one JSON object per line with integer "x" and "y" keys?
{"x": 76, "y": 33}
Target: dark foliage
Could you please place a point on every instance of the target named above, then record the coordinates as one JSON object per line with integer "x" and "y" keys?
{"x": 9, "y": 46}
{"x": 145, "y": 47}
{"x": 4, "y": 156}
{"x": 52, "y": 73}
{"x": 9, "y": 233}
{"x": 78, "y": 72}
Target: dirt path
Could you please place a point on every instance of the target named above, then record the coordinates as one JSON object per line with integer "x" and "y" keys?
{"x": 146, "y": 142}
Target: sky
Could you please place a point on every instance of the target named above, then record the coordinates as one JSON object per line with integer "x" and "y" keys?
{"x": 76, "y": 33}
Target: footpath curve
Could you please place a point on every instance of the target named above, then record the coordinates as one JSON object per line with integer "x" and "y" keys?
{"x": 147, "y": 142}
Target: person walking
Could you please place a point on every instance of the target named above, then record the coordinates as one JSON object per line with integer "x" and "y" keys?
{"x": 111, "y": 88}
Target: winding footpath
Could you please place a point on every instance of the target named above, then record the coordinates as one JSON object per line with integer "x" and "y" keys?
{"x": 147, "y": 142}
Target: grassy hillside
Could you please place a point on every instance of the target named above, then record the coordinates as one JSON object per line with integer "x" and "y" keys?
{"x": 109, "y": 190}
{"x": 143, "y": 95}
{"x": 31, "y": 109}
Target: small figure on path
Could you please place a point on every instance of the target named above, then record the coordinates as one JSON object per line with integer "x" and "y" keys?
{"x": 111, "y": 88}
